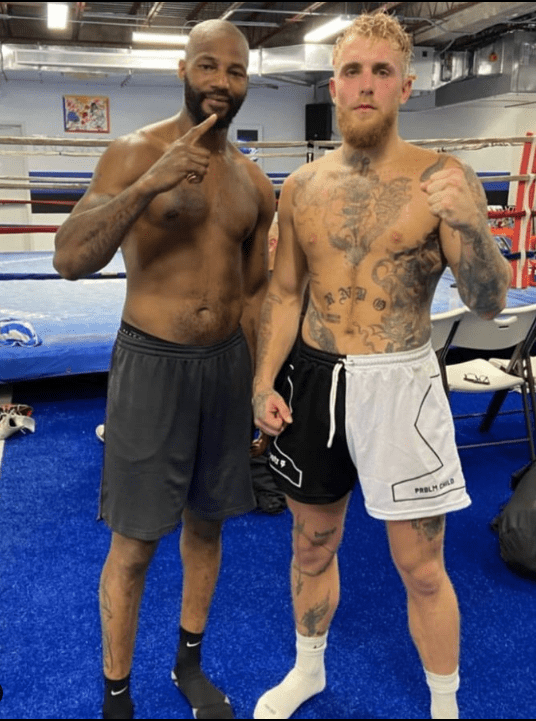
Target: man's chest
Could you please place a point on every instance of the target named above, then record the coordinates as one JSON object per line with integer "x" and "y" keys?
{"x": 225, "y": 197}
{"x": 358, "y": 218}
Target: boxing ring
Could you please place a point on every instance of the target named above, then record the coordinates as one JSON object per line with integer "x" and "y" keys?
{"x": 70, "y": 327}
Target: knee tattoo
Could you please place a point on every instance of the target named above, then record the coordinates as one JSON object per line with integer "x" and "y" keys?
{"x": 314, "y": 554}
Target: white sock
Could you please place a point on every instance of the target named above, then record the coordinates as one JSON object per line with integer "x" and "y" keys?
{"x": 307, "y": 678}
{"x": 443, "y": 690}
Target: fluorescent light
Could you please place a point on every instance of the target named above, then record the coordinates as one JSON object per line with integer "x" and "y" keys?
{"x": 57, "y": 14}
{"x": 159, "y": 38}
{"x": 330, "y": 28}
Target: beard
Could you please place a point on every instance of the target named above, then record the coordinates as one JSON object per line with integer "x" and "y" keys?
{"x": 364, "y": 135}
{"x": 193, "y": 99}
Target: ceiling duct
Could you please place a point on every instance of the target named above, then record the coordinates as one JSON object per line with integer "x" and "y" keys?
{"x": 504, "y": 71}
{"x": 306, "y": 64}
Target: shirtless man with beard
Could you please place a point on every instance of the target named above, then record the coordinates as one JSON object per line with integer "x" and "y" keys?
{"x": 191, "y": 215}
{"x": 370, "y": 227}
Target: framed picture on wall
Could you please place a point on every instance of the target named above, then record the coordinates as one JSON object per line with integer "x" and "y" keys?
{"x": 86, "y": 114}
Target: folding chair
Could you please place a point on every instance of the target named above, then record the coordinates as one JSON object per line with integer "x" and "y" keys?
{"x": 512, "y": 328}
{"x": 444, "y": 327}
{"x": 521, "y": 363}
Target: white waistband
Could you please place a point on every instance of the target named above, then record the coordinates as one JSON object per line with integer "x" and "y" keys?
{"x": 389, "y": 359}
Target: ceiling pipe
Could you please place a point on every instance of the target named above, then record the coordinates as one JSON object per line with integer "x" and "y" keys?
{"x": 296, "y": 18}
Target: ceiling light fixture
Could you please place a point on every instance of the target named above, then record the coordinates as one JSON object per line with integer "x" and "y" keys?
{"x": 328, "y": 29}
{"x": 159, "y": 38}
{"x": 57, "y": 14}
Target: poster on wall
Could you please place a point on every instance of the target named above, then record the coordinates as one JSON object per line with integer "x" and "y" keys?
{"x": 86, "y": 114}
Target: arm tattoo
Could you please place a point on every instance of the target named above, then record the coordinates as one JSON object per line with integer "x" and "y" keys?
{"x": 481, "y": 282}
{"x": 478, "y": 282}
{"x": 106, "y": 233}
{"x": 265, "y": 326}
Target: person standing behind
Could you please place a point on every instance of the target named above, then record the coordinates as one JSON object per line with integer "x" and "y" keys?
{"x": 191, "y": 215}
{"x": 370, "y": 228}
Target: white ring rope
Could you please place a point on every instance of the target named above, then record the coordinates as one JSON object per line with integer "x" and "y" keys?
{"x": 64, "y": 154}
{"x": 467, "y": 143}
{"x": 442, "y": 144}
{"x": 44, "y": 186}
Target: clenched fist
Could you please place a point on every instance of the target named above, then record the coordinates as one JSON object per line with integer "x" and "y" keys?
{"x": 451, "y": 198}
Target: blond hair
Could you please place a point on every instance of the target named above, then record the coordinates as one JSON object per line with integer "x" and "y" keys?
{"x": 377, "y": 26}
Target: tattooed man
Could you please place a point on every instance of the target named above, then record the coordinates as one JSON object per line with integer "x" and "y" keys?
{"x": 370, "y": 227}
{"x": 191, "y": 215}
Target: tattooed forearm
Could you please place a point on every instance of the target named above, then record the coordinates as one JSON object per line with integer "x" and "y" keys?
{"x": 429, "y": 528}
{"x": 89, "y": 239}
{"x": 265, "y": 326}
{"x": 482, "y": 277}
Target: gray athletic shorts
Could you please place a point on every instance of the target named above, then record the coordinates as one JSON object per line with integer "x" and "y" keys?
{"x": 178, "y": 431}
{"x": 383, "y": 416}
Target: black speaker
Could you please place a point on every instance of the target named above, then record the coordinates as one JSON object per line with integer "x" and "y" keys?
{"x": 318, "y": 121}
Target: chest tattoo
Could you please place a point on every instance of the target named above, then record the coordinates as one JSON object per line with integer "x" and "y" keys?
{"x": 354, "y": 208}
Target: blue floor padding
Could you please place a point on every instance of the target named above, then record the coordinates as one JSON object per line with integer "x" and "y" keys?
{"x": 76, "y": 321}
{"x": 53, "y": 550}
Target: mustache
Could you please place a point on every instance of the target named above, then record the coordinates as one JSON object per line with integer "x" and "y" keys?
{"x": 217, "y": 96}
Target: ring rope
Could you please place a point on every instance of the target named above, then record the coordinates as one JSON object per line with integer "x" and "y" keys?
{"x": 522, "y": 214}
{"x": 23, "y": 183}
{"x": 94, "y": 143}
{"x": 57, "y": 276}
{"x": 19, "y": 229}
{"x": 43, "y": 186}
{"x": 279, "y": 155}
{"x": 37, "y": 202}
{"x": 37, "y": 178}
{"x": 56, "y": 153}
{"x": 66, "y": 142}
{"x": 99, "y": 143}
{"x": 487, "y": 179}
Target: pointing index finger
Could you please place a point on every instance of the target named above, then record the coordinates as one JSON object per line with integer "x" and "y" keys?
{"x": 198, "y": 130}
